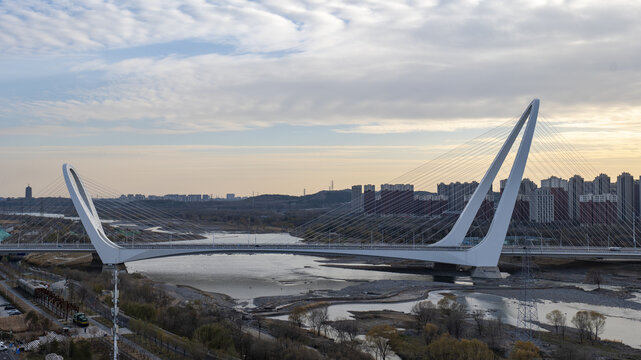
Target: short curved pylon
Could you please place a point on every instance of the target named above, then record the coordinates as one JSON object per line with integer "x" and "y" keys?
{"x": 107, "y": 250}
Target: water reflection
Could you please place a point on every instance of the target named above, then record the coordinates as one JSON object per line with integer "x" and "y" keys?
{"x": 621, "y": 324}
{"x": 232, "y": 238}
{"x": 245, "y": 276}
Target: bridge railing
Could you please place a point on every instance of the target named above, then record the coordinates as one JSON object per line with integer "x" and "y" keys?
{"x": 508, "y": 249}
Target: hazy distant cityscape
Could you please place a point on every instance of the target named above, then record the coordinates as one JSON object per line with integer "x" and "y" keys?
{"x": 172, "y": 197}
{"x": 554, "y": 199}
{"x": 599, "y": 201}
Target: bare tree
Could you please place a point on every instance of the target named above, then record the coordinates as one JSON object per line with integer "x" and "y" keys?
{"x": 346, "y": 330}
{"x": 424, "y": 311}
{"x": 454, "y": 313}
{"x": 297, "y": 316}
{"x": 378, "y": 339}
{"x": 430, "y": 331}
{"x": 597, "y": 324}
{"x": 494, "y": 331}
{"x": 594, "y": 277}
{"x": 479, "y": 316}
{"x": 558, "y": 320}
{"x": 582, "y": 322}
{"x": 317, "y": 318}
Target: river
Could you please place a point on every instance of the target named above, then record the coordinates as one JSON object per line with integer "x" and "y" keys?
{"x": 245, "y": 277}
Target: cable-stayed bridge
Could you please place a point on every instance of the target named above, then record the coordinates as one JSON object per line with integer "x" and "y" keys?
{"x": 353, "y": 226}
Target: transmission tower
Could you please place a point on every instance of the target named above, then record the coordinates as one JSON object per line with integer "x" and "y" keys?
{"x": 115, "y": 312}
{"x": 528, "y": 315}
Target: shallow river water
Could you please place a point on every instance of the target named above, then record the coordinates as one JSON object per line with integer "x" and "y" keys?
{"x": 245, "y": 277}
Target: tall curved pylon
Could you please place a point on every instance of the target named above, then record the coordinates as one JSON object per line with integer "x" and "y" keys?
{"x": 456, "y": 236}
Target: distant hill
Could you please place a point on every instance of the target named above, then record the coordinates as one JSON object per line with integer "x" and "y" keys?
{"x": 320, "y": 200}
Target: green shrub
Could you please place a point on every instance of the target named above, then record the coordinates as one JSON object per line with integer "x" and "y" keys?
{"x": 216, "y": 336}
{"x": 145, "y": 312}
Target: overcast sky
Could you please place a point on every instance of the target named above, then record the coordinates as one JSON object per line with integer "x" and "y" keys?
{"x": 160, "y": 96}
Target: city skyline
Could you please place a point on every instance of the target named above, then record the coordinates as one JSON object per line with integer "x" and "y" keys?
{"x": 274, "y": 98}
{"x": 587, "y": 187}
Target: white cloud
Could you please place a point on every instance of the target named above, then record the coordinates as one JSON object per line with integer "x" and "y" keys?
{"x": 404, "y": 126}
{"x": 42, "y": 26}
{"x": 370, "y": 66}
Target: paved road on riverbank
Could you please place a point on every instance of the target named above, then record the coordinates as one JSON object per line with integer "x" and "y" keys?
{"x": 126, "y": 341}
{"x": 17, "y": 295}
{"x": 8, "y": 355}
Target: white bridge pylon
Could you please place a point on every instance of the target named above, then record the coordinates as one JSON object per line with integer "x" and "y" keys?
{"x": 448, "y": 250}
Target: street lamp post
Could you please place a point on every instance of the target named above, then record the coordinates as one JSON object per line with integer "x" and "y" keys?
{"x": 588, "y": 238}
{"x": 634, "y": 232}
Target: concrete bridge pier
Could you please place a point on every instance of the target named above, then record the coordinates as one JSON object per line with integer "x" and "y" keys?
{"x": 486, "y": 272}
{"x": 112, "y": 267}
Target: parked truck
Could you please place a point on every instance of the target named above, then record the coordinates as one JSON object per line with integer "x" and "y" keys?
{"x": 80, "y": 319}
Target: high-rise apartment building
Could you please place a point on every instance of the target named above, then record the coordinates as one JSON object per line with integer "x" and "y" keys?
{"x": 542, "y": 205}
{"x": 559, "y": 190}
{"x": 598, "y": 209}
{"x": 28, "y": 193}
{"x": 430, "y": 204}
{"x": 554, "y": 182}
{"x": 486, "y": 210}
{"x": 526, "y": 187}
{"x": 625, "y": 196}
{"x": 456, "y": 192}
{"x": 637, "y": 197}
{"x": 588, "y": 187}
{"x": 369, "y": 198}
{"x": 521, "y": 211}
{"x": 601, "y": 185}
{"x": 357, "y": 198}
{"x": 576, "y": 185}
{"x": 396, "y": 199}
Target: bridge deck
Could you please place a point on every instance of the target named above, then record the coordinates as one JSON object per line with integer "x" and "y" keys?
{"x": 544, "y": 251}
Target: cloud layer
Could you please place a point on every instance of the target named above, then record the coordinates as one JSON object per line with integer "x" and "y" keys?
{"x": 367, "y": 64}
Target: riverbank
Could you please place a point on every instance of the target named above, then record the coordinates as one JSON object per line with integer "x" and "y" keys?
{"x": 384, "y": 293}
{"x": 378, "y": 291}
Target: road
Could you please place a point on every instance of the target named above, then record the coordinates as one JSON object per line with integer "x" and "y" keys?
{"x": 128, "y": 342}
{"x": 8, "y": 355}
{"x": 17, "y": 295}
{"x": 376, "y": 250}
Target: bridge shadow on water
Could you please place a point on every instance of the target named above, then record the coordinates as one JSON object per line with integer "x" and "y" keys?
{"x": 443, "y": 273}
